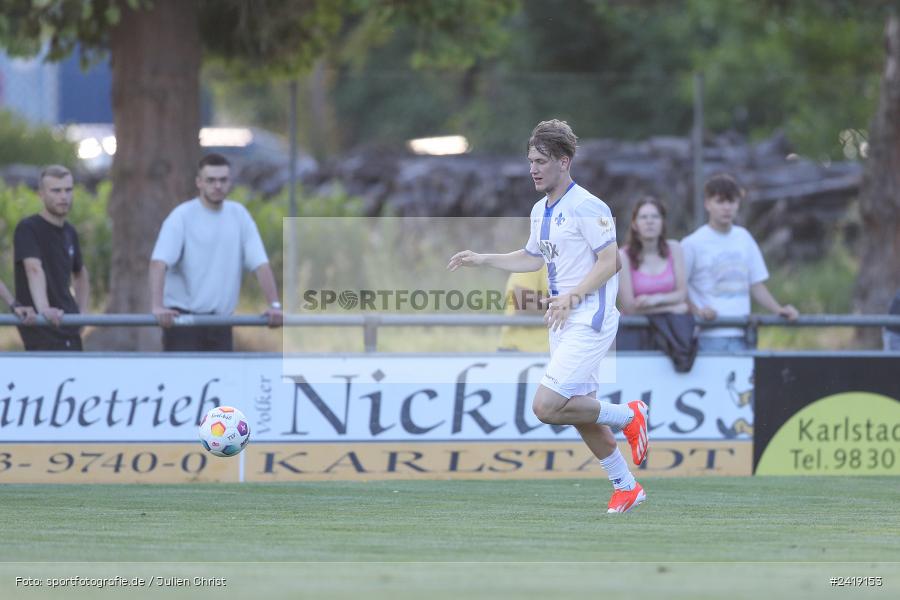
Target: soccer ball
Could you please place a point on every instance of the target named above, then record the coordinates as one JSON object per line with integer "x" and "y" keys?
{"x": 224, "y": 431}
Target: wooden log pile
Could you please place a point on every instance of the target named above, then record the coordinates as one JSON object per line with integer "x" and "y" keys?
{"x": 794, "y": 206}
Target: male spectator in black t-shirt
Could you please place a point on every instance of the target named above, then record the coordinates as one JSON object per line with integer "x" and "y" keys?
{"x": 48, "y": 264}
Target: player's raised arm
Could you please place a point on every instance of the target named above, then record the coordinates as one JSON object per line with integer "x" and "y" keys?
{"x": 519, "y": 261}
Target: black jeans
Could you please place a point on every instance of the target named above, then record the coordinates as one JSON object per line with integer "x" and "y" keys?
{"x": 50, "y": 339}
{"x": 197, "y": 339}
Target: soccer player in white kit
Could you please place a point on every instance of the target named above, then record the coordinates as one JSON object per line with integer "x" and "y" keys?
{"x": 573, "y": 232}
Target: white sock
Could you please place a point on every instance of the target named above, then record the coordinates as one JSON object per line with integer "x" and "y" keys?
{"x": 616, "y": 416}
{"x": 618, "y": 471}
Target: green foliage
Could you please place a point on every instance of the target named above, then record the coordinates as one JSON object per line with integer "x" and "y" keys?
{"x": 15, "y": 204}
{"x": 261, "y": 38}
{"x": 824, "y": 287}
{"x": 394, "y": 60}
{"x": 613, "y": 69}
{"x": 270, "y": 212}
{"x": 26, "y": 144}
{"x": 490, "y": 69}
{"x": 810, "y": 67}
{"x": 610, "y": 69}
{"x": 451, "y": 34}
{"x": 64, "y": 25}
{"x": 275, "y": 38}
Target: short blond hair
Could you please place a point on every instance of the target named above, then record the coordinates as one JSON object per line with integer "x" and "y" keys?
{"x": 55, "y": 171}
{"x": 554, "y": 138}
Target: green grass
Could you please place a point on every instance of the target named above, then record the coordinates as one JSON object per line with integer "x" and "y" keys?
{"x": 714, "y": 519}
{"x": 443, "y": 539}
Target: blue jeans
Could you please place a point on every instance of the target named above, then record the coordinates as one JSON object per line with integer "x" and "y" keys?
{"x": 711, "y": 343}
{"x": 891, "y": 341}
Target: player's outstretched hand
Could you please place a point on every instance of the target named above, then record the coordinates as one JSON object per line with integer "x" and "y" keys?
{"x": 466, "y": 258}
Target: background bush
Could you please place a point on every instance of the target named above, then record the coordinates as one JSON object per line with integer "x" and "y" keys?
{"x": 21, "y": 143}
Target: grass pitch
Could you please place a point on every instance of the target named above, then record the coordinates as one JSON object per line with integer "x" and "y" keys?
{"x": 777, "y": 536}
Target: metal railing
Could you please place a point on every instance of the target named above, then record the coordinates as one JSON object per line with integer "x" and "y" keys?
{"x": 371, "y": 323}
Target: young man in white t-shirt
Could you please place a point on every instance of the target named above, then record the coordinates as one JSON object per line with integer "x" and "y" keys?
{"x": 573, "y": 233}
{"x": 725, "y": 267}
{"x": 203, "y": 247}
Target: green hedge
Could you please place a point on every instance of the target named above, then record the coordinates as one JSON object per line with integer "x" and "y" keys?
{"x": 26, "y": 144}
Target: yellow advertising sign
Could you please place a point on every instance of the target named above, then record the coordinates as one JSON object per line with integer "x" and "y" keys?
{"x": 482, "y": 460}
{"x": 854, "y": 433}
{"x": 188, "y": 463}
{"x": 114, "y": 463}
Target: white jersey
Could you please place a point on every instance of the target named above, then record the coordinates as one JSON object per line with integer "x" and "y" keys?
{"x": 720, "y": 269}
{"x": 206, "y": 251}
{"x": 568, "y": 235}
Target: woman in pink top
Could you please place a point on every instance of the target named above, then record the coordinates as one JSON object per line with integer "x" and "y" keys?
{"x": 652, "y": 279}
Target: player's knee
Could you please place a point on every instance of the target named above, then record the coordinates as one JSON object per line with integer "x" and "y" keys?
{"x": 546, "y": 411}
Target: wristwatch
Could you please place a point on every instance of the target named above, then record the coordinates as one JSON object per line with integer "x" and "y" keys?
{"x": 275, "y": 304}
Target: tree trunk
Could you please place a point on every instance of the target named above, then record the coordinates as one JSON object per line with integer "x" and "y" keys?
{"x": 156, "y": 59}
{"x": 879, "y": 273}
{"x": 323, "y": 138}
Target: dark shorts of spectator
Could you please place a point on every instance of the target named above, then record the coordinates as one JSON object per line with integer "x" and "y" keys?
{"x": 50, "y": 339}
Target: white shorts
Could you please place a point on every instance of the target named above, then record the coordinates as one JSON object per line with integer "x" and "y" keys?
{"x": 576, "y": 351}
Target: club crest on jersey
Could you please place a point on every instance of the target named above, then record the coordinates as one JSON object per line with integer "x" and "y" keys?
{"x": 548, "y": 250}
{"x": 560, "y": 219}
{"x": 605, "y": 223}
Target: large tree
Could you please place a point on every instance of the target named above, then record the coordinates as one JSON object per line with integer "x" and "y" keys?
{"x": 622, "y": 69}
{"x": 879, "y": 273}
{"x": 157, "y": 48}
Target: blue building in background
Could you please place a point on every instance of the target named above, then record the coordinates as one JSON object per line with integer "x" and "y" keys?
{"x": 62, "y": 94}
{"x": 30, "y": 88}
{"x": 85, "y": 96}
{"x": 55, "y": 93}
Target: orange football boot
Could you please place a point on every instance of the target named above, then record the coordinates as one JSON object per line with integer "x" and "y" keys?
{"x": 623, "y": 501}
{"x": 636, "y": 432}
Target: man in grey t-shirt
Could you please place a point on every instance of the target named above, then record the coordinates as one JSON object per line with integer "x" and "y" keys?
{"x": 203, "y": 247}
